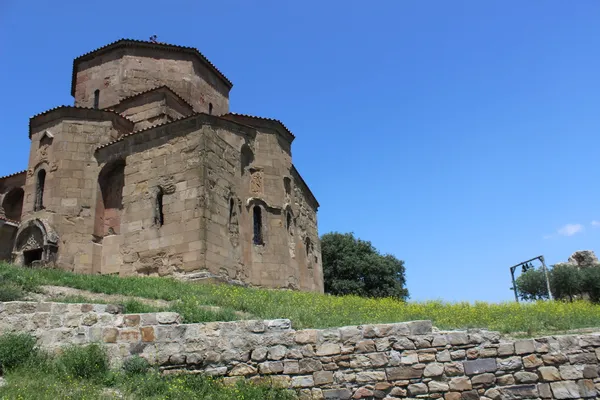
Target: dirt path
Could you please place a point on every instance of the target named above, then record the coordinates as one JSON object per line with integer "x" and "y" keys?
{"x": 55, "y": 293}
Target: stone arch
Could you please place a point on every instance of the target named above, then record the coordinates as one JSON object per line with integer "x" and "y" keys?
{"x": 246, "y": 157}
{"x": 36, "y": 243}
{"x": 12, "y": 204}
{"x": 109, "y": 200}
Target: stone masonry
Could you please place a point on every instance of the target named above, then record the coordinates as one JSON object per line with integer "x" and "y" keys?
{"x": 409, "y": 360}
{"x": 149, "y": 173}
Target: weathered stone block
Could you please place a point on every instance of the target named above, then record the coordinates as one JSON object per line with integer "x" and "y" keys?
{"x": 480, "y": 366}
{"x": 526, "y": 377}
{"x": 549, "y": 374}
{"x": 417, "y": 388}
{"x": 460, "y": 384}
{"x": 565, "y": 390}
{"x": 403, "y": 372}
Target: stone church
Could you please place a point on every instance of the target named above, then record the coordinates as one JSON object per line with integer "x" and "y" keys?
{"x": 149, "y": 173}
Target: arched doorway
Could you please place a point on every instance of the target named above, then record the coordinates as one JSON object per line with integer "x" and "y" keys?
{"x": 36, "y": 244}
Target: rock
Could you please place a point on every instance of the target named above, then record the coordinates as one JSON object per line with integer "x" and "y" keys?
{"x": 480, "y": 366}
{"x": 435, "y": 369}
{"x": 437, "y": 386}
{"x": 526, "y": 377}
{"x": 242, "y": 370}
{"x": 549, "y": 374}
{"x": 532, "y": 361}
{"x": 302, "y": 381}
{"x": 337, "y": 394}
{"x": 518, "y": 392}
{"x": 167, "y": 318}
{"x": 460, "y": 384}
{"x": 483, "y": 379}
{"x": 583, "y": 258}
{"x": 417, "y": 388}
{"x": 525, "y": 346}
{"x": 323, "y": 377}
{"x": 404, "y": 372}
{"x": 277, "y": 352}
{"x": 328, "y": 349}
{"x": 571, "y": 372}
{"x": 565, "y": 390}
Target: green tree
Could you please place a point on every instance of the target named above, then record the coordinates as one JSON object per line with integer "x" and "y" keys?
{"x": 566, "y": 282}
{"x": 354, "y": 266}
{"x": 531, "y": 285}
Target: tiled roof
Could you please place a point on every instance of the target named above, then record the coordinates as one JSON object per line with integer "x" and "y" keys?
{"x": 75, "y": 108}
{"x": 260, "y": 118}
{"x": 144, "y": 130}
{"x": 143, "y": 43}
{"x": 148, "y": 91}
{"x": 13, "y": 174}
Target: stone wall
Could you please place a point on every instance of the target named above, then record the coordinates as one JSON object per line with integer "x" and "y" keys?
{"x": 126, "y": 69}
{"x": 403, "y": 360}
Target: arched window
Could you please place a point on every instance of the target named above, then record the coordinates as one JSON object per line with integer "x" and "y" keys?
{"x": 258, "y": 234}
{"x": 39, "y": 190}
{"x": 97, "y": 98}
{"x": 159, "y": 217}
{"x": 210, "y": 108}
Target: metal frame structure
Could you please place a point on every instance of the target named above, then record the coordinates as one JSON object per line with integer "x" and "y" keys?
{"x": 526, "y": 265}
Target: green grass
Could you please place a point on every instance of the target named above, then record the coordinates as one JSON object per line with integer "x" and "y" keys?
{"x": 314, "y": 310}
{"x": 83, "y": 373}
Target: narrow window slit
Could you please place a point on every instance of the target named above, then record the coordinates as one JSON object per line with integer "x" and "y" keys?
{"x": 258, "y": 234}
{"x": 97, "y": 98}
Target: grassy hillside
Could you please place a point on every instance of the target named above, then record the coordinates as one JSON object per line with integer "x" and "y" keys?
{"x": 309, "y": 309}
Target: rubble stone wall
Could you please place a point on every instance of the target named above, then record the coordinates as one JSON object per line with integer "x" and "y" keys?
{"x": 391, "y": 361}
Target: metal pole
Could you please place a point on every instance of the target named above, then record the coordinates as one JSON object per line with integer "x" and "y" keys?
{"x": 547, "y": 279}
{"x": 512, "y": 274}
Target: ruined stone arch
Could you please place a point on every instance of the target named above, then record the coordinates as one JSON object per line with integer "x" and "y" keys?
{"x": 246, "y": 157}
{"x": 12, "y": 204}
{"x": 109, "y": 200}
{"x": 290, "y": 219}
{"x": 36, "y": 243}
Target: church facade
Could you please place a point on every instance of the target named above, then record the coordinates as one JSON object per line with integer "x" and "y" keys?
{"x": 149, "y": 173}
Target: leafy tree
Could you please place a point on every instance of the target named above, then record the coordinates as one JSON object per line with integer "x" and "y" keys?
{"x": 566, "y": 282}
{"x": 531, "y": 285}
{"x": 354, "y": 266}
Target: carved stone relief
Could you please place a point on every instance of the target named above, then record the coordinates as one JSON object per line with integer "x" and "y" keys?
{"x": 256, "y": 182}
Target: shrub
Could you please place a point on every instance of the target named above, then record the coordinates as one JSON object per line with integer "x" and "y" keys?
{"x": 10, "y": 292}
{"x": 136, "y": 365}
{"x": 87, "y": 362}
{"x": 16, "y": 349}
{"x": 531, "y": 285}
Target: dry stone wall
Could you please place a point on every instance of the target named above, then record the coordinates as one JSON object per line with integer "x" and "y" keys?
{"x": 391, "y": 361}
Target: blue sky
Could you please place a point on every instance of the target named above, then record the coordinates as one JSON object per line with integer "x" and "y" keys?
{"x": 462, "y": 136}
